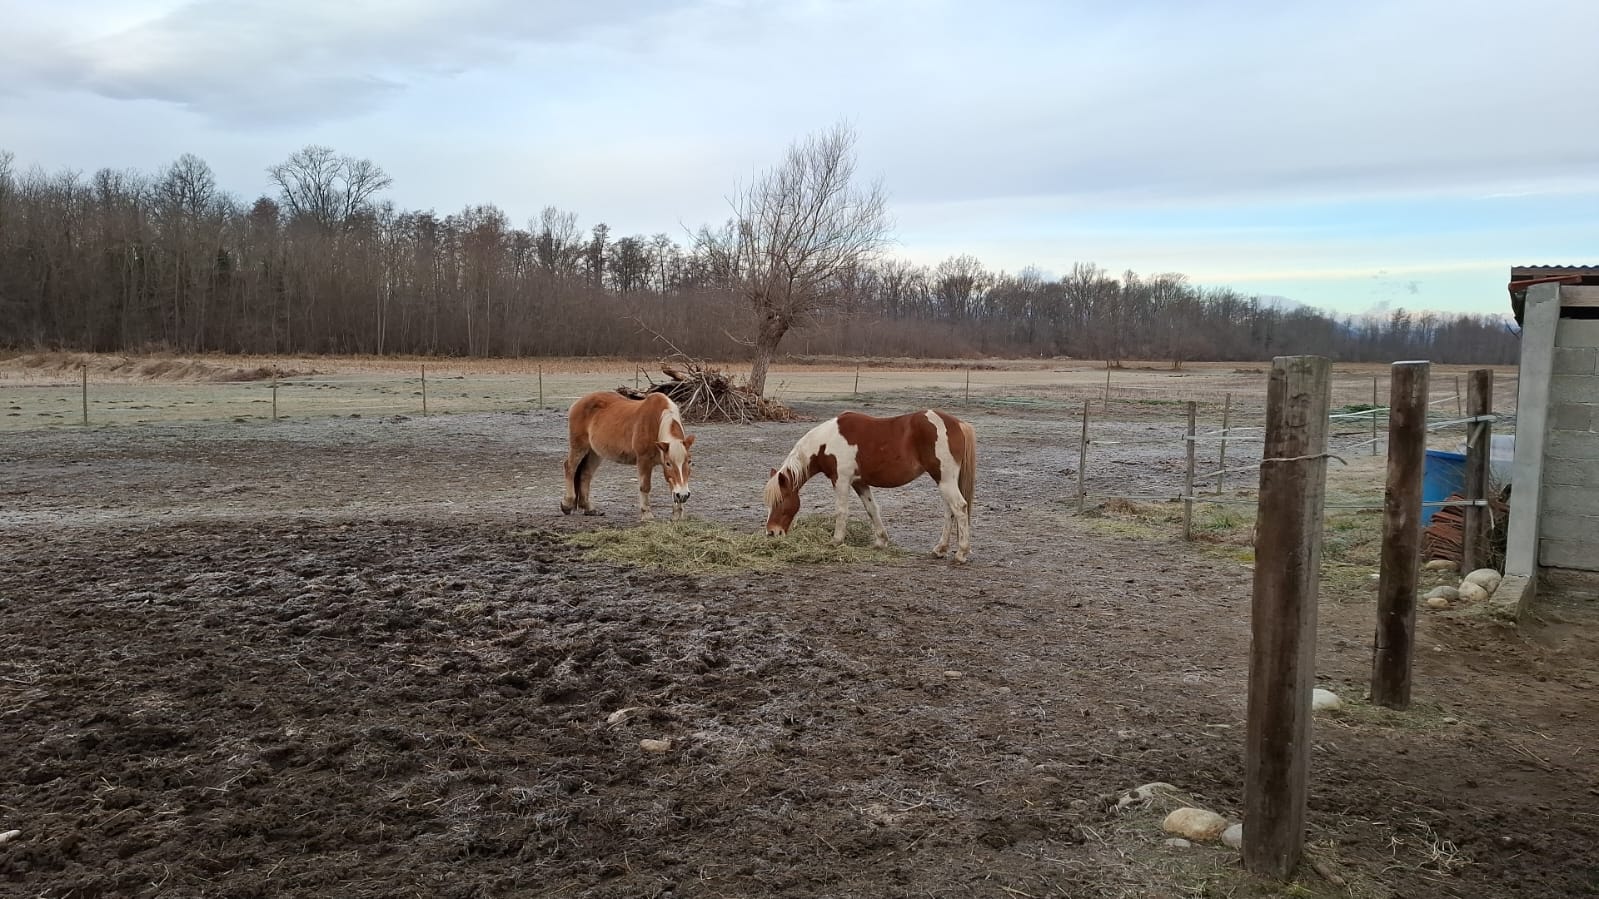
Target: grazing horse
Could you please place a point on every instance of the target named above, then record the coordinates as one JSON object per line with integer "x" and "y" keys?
{"x": 858, "y": 452}
{"x": 647, "y": 432}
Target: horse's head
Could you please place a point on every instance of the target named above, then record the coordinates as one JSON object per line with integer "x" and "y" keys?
{"x": 782, "y": 502}
{"x": 677, "y": 464}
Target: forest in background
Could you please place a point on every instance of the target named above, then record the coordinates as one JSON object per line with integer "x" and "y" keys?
{"x": 126, "y": 261}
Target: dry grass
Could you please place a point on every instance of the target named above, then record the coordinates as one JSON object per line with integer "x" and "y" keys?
{"x": 701, "y": 547}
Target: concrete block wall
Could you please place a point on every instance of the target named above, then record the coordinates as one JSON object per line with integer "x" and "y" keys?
{"x": 1568, "y": 522}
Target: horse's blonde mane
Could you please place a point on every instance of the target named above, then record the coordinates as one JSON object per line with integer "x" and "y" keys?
{"x": 773, "y": 492}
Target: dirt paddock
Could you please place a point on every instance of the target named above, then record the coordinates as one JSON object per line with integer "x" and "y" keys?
{"x": 354, "y": 657}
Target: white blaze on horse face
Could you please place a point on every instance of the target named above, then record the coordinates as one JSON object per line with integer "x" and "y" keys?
{"x": 675, "y": 460}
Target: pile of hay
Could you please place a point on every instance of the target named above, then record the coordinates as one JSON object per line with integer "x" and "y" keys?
{"x": 706, "y": 393}
{"x": 692, "y": 546}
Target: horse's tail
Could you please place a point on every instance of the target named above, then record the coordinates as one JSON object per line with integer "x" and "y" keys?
{"x": 968, "y": 476}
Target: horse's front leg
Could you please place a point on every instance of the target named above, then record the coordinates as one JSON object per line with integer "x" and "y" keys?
{"x": 645, "y": 470}
{"x": 879, "y": 533}
{"x": 841, "y": 503}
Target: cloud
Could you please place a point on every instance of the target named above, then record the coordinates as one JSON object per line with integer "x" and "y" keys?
{"x": 256, "y": 62}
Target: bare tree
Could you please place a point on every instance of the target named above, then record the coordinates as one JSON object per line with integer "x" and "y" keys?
{"x": 798, "y": 230}
{"x": 329, "y": 190}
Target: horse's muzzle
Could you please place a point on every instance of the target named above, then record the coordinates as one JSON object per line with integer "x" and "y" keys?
{"x": 681, "y": 498}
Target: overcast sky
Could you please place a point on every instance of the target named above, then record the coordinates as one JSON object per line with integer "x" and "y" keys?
{"x": 1352, "y": 155}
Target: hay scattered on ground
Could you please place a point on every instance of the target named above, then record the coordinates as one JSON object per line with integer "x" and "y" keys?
{"x": 706, "y": 393}
{"x": 693, "y": 546}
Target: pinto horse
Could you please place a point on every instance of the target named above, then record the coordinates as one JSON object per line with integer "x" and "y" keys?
{"x": 858, "y": 452}
{"x": 647, "y": 432}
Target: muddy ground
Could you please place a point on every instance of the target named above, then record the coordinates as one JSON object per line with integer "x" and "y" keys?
{"x": 353, "y": 657}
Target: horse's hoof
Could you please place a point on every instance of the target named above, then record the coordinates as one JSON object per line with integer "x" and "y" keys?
{"x": 880, "y": 544}
{"x": 646, "y": 517}
{"x": 594, "y": 512}
{"x": 938, "y": 551}
{"x": 960, "y": 560}
{"x": 566, "y": 507}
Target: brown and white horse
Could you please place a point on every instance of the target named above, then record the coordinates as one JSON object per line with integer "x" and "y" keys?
{"x": 646, "y": 432}
{"x": 858, "y": 452}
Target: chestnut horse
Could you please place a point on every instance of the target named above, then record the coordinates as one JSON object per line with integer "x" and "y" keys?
{"x": 646, "y": 432}
{"x": 858, "y": 452}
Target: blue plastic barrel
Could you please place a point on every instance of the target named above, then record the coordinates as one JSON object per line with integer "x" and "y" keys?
{"x": 1443, "y": 474}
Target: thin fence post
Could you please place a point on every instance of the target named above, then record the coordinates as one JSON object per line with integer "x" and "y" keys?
{"x": 424, "y": 390}
{"x": 1107, "y": 383}
{"x": 1082, "y": 459}
{"x": 1226, "y": 410}
{"x": 1401, "y": 536}
{"x": 1282, "y": 651}
{"x": 85, "y": 368}
{"x": 635, "y": 377}
{"x": 968, "y": 384}
{"x": 1460, "y": 407}
{"x": 274, "y": 393}
{"x": 1188, "y": 477}
{"x": 1374, "y": 415}
{"x": 857, "y": 390}
{"x": 1479, "y": 443}
{"x": 541, "y": 386}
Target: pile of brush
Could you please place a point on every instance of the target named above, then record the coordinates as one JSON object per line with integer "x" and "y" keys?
{"x": 1445, "y": 536}
{"x": 706, "y": 393}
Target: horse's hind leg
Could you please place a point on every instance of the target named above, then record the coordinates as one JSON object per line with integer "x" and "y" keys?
{"x": 585, "y": 481}
{"x": 879, "y": 533}
{"x": 645, "y": 471}
{"x": 573, "y": 471}
{"x": 959, "y": 516}
{"x": 949, "y": 528}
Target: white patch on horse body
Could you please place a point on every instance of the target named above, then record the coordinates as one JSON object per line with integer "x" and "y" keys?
{"x": 948, "y": 468}
{"x": 825, "y": 437}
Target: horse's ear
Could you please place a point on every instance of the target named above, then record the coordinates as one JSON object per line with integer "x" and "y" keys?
{"x": 688, "y": 441}
{"x": 783, "y": 480}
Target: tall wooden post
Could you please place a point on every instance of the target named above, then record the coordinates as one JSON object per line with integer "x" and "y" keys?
{"x": 1460, "y": 408}
{"x": 1479, "y": 451}
{"x": 1221, "y": 474}
{"x": 274, "y": 393}
{"x": 1082, "y": 459}
{"x": 1282, "y": 651}
{"x": 541, "y": 386}
{"x": 968, "y": 385}
{"x": 857, "y": 390}
{"x": 1107, "y": 383}
{"x": 424, "y": 391}
{"x": 1401, "y": 536}
{"x": 1374, "y": 415}
{"x": 1188, "y": 477}
{"x": 86, "y": 394}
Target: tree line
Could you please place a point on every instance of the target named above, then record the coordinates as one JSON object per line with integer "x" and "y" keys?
{"x": 131, "y": 261}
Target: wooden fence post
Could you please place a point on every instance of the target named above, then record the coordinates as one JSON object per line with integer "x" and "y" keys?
{"x": 1374, "y": 415}
{"x": 1282, "y": 651}
{"x": 1082, "y": 459}
{"x": 424, "y": 390}
{"x": 274, "y": 393}
{"x": 541, "y": 386}
{"x": 1107, "y": 383}
{"x": 1479, "y": 444}
{"x": 1188, "y": 477}
{"x": 1401, "y": 536}
{"x": 86, "y": 394}
{"x": 1460, "y": 408}
{"x": 857, "y": 390}
{"x": 1221, "y": 474}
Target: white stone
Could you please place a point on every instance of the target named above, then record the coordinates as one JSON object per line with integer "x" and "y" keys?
{"x": 620, "y": 715}
{"x": 1144, "y": 793}
{"x": 1471, "y": 591}
{"x": 1233, "y": 836}
{"x": 1445, "y": 592}
{"x": 1441, "y": 565}
{"x": 1179, "y": 843}
{"x": 9, "y": 835}
{"x": 1486, "y": 578}
{"x": 1195, "y": 824}
{"x": 655, "y": 745}
{"x": 1324, "y": 700}
{"x": 1437, "y": 602}
{"x": 954, "y": 675}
